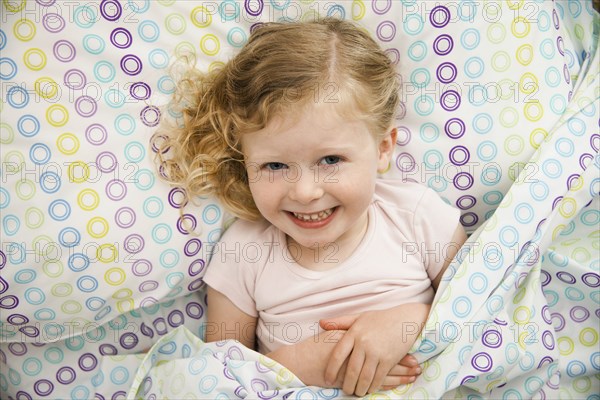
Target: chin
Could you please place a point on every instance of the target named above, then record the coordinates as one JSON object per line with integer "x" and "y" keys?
{"x": 314, "y": 243}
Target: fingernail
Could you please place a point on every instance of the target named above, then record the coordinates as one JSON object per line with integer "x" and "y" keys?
{"x": 418, "y": 371}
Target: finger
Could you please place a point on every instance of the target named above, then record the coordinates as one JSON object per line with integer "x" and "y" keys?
{"x": 378, "y": 378}
{"x": 409, "y": 361}
{"x": 353, "y": 370}
{"x": 339, "y": 354}
{"x": 367, "y": 373}
{"x": 400, "y": 370}
{"x": 391, "y": 382}
{"x": 338, "y": 323}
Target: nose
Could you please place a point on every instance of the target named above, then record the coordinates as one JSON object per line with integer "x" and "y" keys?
{"x": 305, "y": 188}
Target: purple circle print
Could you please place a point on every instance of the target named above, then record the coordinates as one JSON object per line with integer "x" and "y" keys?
{"x": 141, "y": 267}
{"x": 579, "y": 314}
{"x": 560, "y": 45}
{"x": 86, "y": 106}
{"x": 17, "y": 319}
{"x": 64, "y": 51}
{"x": 43, "y": 387}
{"x": 192, "y": 247}
{"x": 469, "y": 219}
{"x": 459, "y": 155}
{"x": 463, "y": 181}
{"x": 403, "y": 137}
{"x": 53, "y": 23}
{"x": 134, "y": 243}
{"x": 386, "y": 31}
{"x": 111, "y": 10}
{"x": 450, "y": 100}
{"x": 380, "y": 10}
{"x": 186, "y": 223}
{"x": 87, "y": 362}
{"x": 482, "y": 362}
{"x": 131, "y": 64}
{"x": 121, "y": 38}
{"x": 177, "y": 198}
{"x": 443, "y": 45}
{"x": 591, "y": 279}
{"x": 140, "y": 91}
{"x": 9, "y": 302}
{"x": 106, "y": 162}
{"x": 30, "y": 331}
{"x": 492, "y": 338}
{"x": 116, "y": 189}
{"x": 148, "y": 286}
{"x": 439, "y": 17}
{"x": 150, "y": 116}
{"x": 196, "y": 267}
{"x": 446, "y": 72}
{"x": 66, "y": 375}
{"x": 108, "y": 349}
{"x": 405, "y": 162}
{"x": 466, "y": 202}
{"x": 254, "y": 10}
{"x": 128, "y": 340}
{"x": 125, "y": 217}
{"x": 566, "y": 277}
{"x": 195, "y": 284}
{"x": 393, "y": 54}
{"x": 75, "y": 79}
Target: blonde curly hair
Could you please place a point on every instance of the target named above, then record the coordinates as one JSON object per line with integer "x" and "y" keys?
{"x": 282, "y": 68}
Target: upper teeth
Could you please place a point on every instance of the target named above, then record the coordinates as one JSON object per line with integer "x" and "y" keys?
{"x": 314, "y": 217}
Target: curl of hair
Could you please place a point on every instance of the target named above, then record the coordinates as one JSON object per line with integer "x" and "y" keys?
{"x": 282, "y": 68}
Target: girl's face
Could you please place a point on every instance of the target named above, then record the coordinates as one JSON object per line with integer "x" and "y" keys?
{"x": 313, "y": 175}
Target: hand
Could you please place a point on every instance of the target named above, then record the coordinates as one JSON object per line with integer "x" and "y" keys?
{"x": 308, "y": 358}
{"x": 375, "y": 342}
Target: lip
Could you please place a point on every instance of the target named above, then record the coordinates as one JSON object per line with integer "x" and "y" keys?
{"x": 312, "y": 224}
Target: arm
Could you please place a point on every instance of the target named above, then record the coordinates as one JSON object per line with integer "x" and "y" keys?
{"x": 371, "y": 354}
{"x": 458, "y": 239}
{"x": 225, "y": 321}
{"x": 308, "y": 360}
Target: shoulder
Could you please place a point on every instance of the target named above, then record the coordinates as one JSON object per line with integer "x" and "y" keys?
{"x": 413, "y": 205}
{"x": 246, "y": 243}
{"x": 243, "y": 230}
{"x": 408, "y": 196}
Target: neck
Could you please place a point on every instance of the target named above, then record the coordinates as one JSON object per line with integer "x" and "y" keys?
{"x": 327, "y": 256}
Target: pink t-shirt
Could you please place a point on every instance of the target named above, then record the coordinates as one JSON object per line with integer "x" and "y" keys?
{"x": 403, "y": 250}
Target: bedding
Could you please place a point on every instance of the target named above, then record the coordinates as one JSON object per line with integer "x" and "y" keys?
{"x": 101, "y": 283}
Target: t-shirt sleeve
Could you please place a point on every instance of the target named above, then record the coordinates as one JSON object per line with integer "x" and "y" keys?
{"x": 435, "y": 222}
{"x": 229, "y": 271}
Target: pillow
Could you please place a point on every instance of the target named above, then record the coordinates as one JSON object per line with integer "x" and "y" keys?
{"x": 90, "y": 235}
{"x": 484, "y": 84}
{"x": 89, "y": 232}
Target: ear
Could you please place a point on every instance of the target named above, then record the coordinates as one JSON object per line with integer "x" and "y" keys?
{"x": 386, "y": 149}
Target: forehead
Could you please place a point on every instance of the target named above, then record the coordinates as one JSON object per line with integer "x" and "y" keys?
{"x": 318, "y": 125}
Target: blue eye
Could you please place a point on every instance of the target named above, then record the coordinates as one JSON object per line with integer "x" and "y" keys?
{"x": 274, "y": 166}
{"x": 330, "y": 160}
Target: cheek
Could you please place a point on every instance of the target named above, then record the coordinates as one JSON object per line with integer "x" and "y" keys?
{"x": 263, "y": 195}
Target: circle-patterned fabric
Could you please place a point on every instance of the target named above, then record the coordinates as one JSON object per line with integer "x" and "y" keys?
{"x": 96, "y": 260}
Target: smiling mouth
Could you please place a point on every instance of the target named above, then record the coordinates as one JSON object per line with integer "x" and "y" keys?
{"x": 314, "y": 217}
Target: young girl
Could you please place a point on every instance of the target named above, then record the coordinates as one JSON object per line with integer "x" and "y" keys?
{"x": 290, "y": 135}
